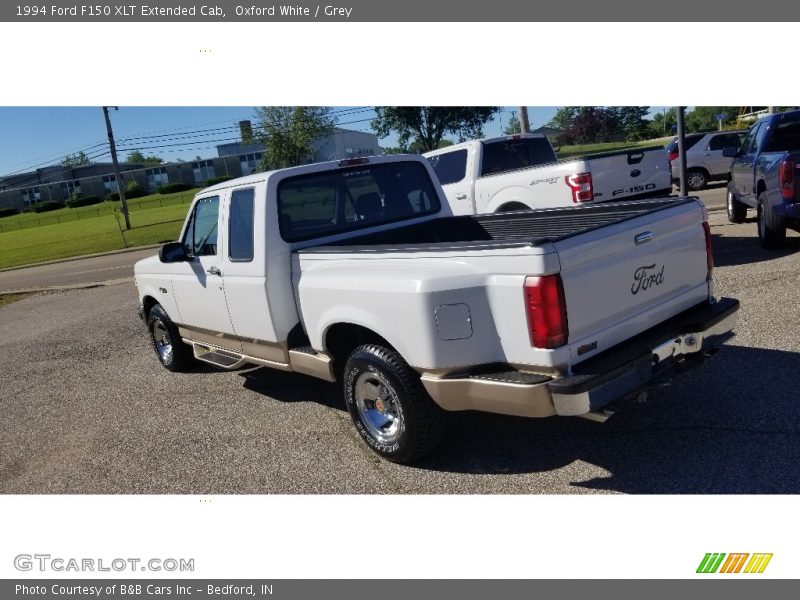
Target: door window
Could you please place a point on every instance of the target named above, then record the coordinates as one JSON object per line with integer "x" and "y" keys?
{"x": 200, "y": 238}
{"x": 450, "y": 167}
{"x": 724, "y": 140}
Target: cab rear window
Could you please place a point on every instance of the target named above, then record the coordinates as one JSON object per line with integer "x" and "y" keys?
{"x": 321, "y": 204}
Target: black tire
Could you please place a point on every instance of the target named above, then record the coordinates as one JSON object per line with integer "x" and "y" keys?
{"x": 737, "y": 212}
{"x": 771, "y": 228}
{"x": 513, "y": 206}
{"x": 413, "y": 422}
{"x": 163, "y": 331}
{"x": 696, "y": 179}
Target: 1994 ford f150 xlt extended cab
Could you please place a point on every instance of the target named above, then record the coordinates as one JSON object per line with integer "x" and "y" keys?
{"x": 519, "y": 172}
{"x": 356, "y": 272}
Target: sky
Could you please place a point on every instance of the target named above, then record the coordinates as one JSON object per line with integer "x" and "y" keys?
{"x": 33, "y": 137}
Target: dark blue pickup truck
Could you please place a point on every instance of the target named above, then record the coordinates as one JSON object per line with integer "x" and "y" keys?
{"x": 764, "y": 176}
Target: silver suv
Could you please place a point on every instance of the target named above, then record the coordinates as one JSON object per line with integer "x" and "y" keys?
{"x": 704, "y": 160}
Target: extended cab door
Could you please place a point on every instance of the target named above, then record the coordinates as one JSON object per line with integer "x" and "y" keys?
{"x": 742, "y": 166}
{"x": 198, "y": 283}
{"x": 454, "y": 171}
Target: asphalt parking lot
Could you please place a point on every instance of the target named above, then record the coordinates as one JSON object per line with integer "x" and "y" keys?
{"x": 86, "y": 408}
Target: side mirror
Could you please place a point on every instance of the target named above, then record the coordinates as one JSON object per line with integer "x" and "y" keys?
{"x": 172, "y": 252}
{"x": 730, "y": 151}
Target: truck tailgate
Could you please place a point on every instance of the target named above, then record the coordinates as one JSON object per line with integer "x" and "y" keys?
{"x": 624, "y": 278}
{"x": 629, "y": 174}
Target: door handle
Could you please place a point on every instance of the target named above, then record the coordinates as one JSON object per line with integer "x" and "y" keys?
{"x": 461, "y": 196}
{"x": 214, "y": 271}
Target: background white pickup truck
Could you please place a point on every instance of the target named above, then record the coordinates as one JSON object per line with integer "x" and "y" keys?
{"x": 519, "y": 172}
{"x": 357, "y": 272}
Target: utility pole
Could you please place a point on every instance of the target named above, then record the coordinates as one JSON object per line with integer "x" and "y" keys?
{"x": 523, "y": 120}
{"x": 682, "y": 149}
{"x": 117, "y": 174}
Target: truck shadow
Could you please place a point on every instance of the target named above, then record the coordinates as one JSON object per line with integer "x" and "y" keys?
{"x": 293, "y": 387}
{"x": 730, "y": 426}
{"x": 732, "y": 251}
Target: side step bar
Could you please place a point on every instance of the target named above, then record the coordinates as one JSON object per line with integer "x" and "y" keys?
{"x": 301, "y": 360}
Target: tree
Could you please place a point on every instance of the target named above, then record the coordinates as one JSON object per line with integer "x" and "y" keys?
{"x": 76, "y": 160}
{"x": 591, "y": 124}
{"x": 703, "y": 118}
{"x": 664, "y": 123}
{"x": 425, "y": 126}
{"x": 137, "y": 157}
{"x": 289, "y": 133}
{"x": 513, "y": 125}
{"x": 630, "y": 120}
{"x": 564, "y": 117}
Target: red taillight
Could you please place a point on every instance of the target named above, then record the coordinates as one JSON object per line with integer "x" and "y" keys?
{"x": 581, "y": 186}
{"x": 547, "y": 311}
{"x": 673, "y": 155}
{"x": 351, "y": 162}
{"x": 709, "y": 250}
{"x": 787, "y": 178}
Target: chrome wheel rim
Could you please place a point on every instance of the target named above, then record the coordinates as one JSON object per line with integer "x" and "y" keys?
{"x": 695, "y": 180}
{"x": 377, "y": 407}
{"x": 162, "y": 341}
{"x": 730, "y": 202}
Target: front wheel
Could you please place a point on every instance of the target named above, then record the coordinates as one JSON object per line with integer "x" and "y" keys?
{"x": 771, "y": 228}
{"x": 388, "y": 405}
{"x": 172, "y": 353}
{"x": 737, "y": 212}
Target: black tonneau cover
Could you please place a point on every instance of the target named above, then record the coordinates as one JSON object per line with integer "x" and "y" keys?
{"x": 501, "y": 230}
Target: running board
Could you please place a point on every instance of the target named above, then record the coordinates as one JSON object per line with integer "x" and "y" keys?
{"x": 304, "y": 360}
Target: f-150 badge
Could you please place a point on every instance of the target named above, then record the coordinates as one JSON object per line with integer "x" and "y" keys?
{"x": 646, "y": 277}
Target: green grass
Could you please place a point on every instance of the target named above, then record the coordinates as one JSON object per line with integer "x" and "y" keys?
{"x": 583, "y": 149}
{"x": 6, "y": 299}
{"x": 67, "y": 215}
{"x": 89, "y": 235}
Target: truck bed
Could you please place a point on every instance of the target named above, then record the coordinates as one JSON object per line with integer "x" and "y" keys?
{"x": 502, "y": 230}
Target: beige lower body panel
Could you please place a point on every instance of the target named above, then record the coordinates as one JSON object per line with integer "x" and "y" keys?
{"x": 455, "y": 394}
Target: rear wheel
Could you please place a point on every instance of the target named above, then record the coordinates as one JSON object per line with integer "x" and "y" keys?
{"x": 512, "y": 206}
{"x": 389, "y": 406}
{"x": 771, "y": 228}
{"x": 172, "y": 353}
{"x": 737, "y": 212}
{"x": 696, "y": 179}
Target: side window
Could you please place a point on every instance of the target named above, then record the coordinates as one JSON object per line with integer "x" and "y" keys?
{"x": 718, "y": 142}
{"x": 200, "y": 238}
{"x": 240, "y": 225}
{"x": 762, "y": 131}
{"x": 748, "y": 141}
{"x": 450, "y": 167}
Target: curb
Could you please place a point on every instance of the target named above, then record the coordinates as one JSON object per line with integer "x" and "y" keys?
{"x": 64, "y": 288}
{"x": 72, "y": 258}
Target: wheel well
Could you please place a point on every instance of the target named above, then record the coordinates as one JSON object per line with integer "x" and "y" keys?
{"x": 761, "y": 187}
{"x": 703, "y": 170}
{"x": 149, "y": 302}
{"x": 342, "y": 338}
{"x": 509, "y": 206}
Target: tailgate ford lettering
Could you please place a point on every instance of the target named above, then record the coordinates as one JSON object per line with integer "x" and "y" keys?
{"x": 645, "y": 277}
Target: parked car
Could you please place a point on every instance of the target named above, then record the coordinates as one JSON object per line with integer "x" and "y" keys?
{"x": 520, "y": 172}
{"x": 704, "y": 159}
{"x": 764, "y": 176}
{"x": 357, "y": 272}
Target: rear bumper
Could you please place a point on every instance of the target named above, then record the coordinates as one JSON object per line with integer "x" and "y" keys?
{"x": 652, "y": 357}
{"x": 788, "y": 210}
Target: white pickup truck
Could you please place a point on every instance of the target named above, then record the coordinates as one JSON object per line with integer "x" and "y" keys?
{"x": 520, "y": 172}
{"x": 357, "y": 272}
